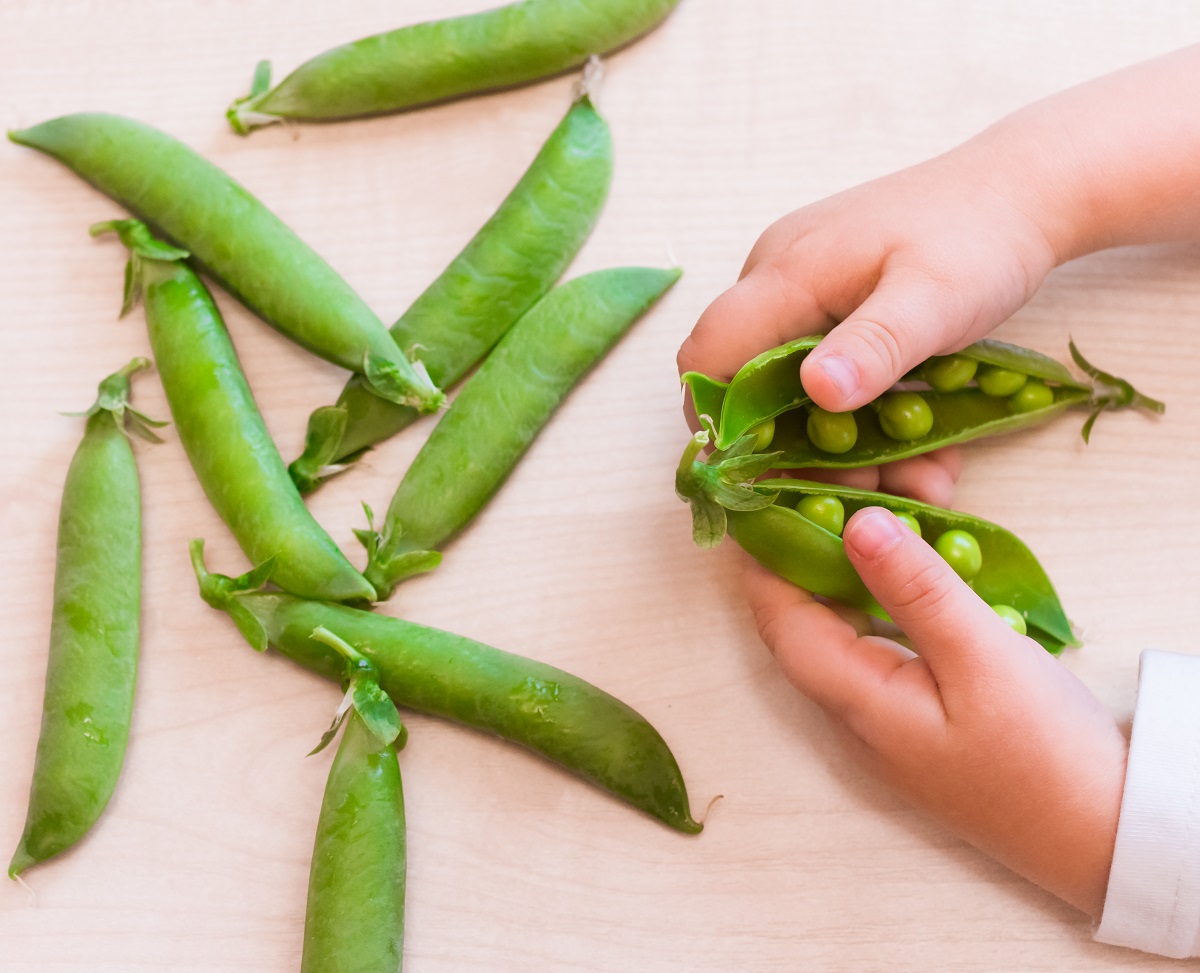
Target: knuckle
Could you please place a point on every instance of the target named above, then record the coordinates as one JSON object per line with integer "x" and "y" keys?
{"x": 923, "y": 595}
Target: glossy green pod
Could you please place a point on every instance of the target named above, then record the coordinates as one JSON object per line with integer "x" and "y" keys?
{"x": 221, "y": 429}
{"x": 768, "y": 387}
{"x": 500, "y": 411}
{"x": 761, "y": 516}
{"x": 550, "y": 712}
{"x": 235, "y": 238}
{"x": 92, "y": 664}
{"x": 512, "y": 261}
{"x": 440, "y": 60}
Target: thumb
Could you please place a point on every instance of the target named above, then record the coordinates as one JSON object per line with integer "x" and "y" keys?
{"x": 951, "y": 627}
{"x": 903, "y": 322}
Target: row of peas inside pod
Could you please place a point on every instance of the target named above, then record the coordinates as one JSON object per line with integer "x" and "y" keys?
{"x": 987, "y": 388}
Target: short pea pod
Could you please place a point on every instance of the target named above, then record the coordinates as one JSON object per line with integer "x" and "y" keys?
{"x": 220, "y": 427}
{"x": 761, "y": 516}
{"x": 546, "y": 710}
{"x": 441, "y": 60}
{"x": 92, "y": 663}
{"x": 512, "y": 261}
{"x": 354, "y": 922}
{"x": 768, "y": 387}
{"x": 500, "y": 411}
{"x": 235, "y": 238}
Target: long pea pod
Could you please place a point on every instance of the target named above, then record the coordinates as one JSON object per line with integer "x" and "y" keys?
{"x": 512, "y": 261}
{"x": 91, "y": 668}
{"x": 356, "y": 884}
{"x": 440, "y": 60}
{"x": 767, "y": 389}
{"x": 546, "y": 710}
{"x": 761, "y": 516}
{"x": 235, "y": 238}
{"x": 220, "y": 426}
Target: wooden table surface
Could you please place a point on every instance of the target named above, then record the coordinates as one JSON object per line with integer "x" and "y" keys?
{"x": 722, "y": 122}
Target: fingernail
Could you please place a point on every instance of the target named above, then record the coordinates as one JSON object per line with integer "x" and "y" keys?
{"x": 841, "y": 373}
{"x": 873, "y": 531}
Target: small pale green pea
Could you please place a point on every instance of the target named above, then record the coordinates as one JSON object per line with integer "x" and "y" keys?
{"x": 763, "y": 433}
{"x": 909, "y": 521}
{"x": 961, "y": 551}
{"x": 832, "y": 432}
{"x": 1031, "y": 397}
{"x": 905, "y": 416}
{"x": 1014, "y": 619}
{"x": 999, "y": 382}
{"x": 949, "y": 373}
{"x": 826, "y": 512}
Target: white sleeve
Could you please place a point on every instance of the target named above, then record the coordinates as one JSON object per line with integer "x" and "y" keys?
{"x": 1153, "y": 900}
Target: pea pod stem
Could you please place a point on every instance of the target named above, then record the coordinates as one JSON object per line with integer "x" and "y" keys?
{"x": 91, "y": 667}
{"x": 546, "y": 710}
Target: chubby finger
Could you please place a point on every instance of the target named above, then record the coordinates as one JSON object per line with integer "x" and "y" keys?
{"x": 953, "y": 629}
{"x": 908, "y": 317}
{"x": 764, "y": 309}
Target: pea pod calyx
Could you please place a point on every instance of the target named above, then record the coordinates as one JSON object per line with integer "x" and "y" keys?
{"x": 724, "y": 482}
{"x": 364, "y": 696}
{"x": 113, "y": 398}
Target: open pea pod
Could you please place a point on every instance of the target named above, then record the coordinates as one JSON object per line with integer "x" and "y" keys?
{"x": 762, "y": 517}
{"x": 767, "y": 390}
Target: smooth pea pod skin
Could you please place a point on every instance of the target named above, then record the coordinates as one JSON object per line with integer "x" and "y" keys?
{"x": 546, "y": 710}
{"x": 441, "y": 60}
{"x": 354, "y": 922}
{"x": 243, "y": 245}
{"x": 92, "y": 665}
{"x": 500, "y": 411}
{"x": 228, "y": 444}
{"x": 506, "y": 268}
{"x": 783, "y": 541}
{"x": 768, "y": 386}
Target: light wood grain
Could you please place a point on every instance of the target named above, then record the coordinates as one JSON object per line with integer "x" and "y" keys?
{"x": 724, "y": 119}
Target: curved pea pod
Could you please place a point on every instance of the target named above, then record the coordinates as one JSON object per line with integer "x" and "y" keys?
{"x": 550, "y": 712}
{"x": 499, "y": 413}
{"x": 512, "y": 261}
{"x": 92, "y": 664}
{"x": 440, "y": 60}
{"x": 235, "y": 238}
{"x": 768, "y": 388}
{"x": 220, "y": 426}
{"x": 761, "y": 516}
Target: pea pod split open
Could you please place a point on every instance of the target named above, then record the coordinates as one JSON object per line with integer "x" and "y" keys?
{"x": 767, "y": 389}
{"x": 235, "y": 238}
{"x": 92, "y": 664}
{"x": 443, "y": 59}
{"x": 512, "y": 261}
{"x": 762, "y": 517}
{"x": 560, "y": 716}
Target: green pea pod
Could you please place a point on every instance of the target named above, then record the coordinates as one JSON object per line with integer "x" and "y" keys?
{"x": 356, "y": 883}
{"x": 762, "y": 517}
{"x": 500, "y": 411}
{"x": 441, "y": 60}
{"x": 512, "y": 261}
{"x": 554, "y": 714}
{"x": 768, "y": 387}
{"x": 237, "y": 240}
{"x": 220, "y": 427}
{"x": 92, "y": 664}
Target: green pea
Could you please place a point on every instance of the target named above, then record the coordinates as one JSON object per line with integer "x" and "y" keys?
{"x": 961, "y": 551}
{"x": 1013, "y": 618}
{"x": 1031, "y": 397}
{"x": 439, "y": 60}
{"x": 763, "y": 433}
{"x": 949, "y": 373}
{"x": 832, "y": 432}
{"x": 909, "y": 521}
{"x": 827, "y": 512}
{"x": 499, "y": 413}
{"x": 999, "y": 382}
{"x": 506, "y": 268}
{"x": 905, "y": 416}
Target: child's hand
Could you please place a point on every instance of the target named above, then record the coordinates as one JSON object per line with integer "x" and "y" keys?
{"x": 918, "y": 263}
{"x": 982, "y": 728}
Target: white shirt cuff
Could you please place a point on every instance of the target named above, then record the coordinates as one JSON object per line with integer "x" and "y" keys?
{"x": 1153, "y": 900}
